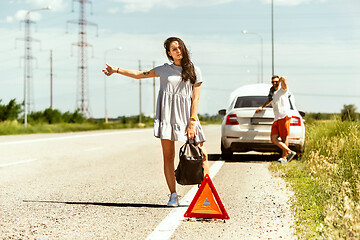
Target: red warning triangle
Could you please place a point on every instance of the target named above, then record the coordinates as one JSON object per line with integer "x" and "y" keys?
{"x": 206, "y": 203}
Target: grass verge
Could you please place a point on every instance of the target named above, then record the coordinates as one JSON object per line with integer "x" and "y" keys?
{"x": 13, "y": 127}
{"x": 326, "y": 181}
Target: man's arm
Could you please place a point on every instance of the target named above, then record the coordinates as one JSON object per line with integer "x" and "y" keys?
{"x": 259, "y": 109}
{"x": 283, "y": 83}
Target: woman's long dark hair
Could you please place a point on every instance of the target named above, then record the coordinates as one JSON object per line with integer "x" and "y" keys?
{"x": 188, "y": 70}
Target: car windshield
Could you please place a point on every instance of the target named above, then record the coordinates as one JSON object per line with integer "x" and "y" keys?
{"x": 251, "y": 101}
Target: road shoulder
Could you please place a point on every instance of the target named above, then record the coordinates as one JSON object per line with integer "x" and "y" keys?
{"x": 257, "y": 202}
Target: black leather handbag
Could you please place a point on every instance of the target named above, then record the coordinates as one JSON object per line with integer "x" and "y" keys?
{"x": 190, "y": 170}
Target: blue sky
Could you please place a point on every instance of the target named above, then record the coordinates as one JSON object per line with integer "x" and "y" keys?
{"x": 317, "y": 47}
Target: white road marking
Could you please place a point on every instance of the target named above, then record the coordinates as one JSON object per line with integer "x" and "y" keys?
{"x": 169, "y": 224}
{"x": 17, "y": 163}
{"x": 74, "y": 136}
{"x": 93, "y": 149}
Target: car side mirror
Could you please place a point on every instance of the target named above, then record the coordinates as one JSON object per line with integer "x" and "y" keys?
{"x": 222, "y": 112}
{"x": 302, "y": 114}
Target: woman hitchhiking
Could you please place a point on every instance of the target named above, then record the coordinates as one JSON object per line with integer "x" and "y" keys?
{"x": 177, "y": 105}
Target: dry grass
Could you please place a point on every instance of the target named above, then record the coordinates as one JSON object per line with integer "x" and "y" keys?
{"x": 326, "y": 181}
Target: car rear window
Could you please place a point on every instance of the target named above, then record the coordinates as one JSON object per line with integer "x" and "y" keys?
{"x": 251, "y": 101}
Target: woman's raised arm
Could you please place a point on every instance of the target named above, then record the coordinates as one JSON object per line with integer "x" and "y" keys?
{"x": 129, "y": 73}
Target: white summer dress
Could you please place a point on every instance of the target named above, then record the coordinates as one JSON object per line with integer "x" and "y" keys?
{"x": 173, "y": 107}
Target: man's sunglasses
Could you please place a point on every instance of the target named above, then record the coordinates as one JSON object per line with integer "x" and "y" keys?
{"x": 274, "y": 81}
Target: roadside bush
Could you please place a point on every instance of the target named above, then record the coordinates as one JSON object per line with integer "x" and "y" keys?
{"x": 348, "y": 113}
{"x": 52, "y": 116}
{"x": 36, "y": 117}
{"x": 10, "y": 111}
{"x": 321, "y": 116}
{"x": 210, "y": 119}
{"x": 75, "y": 117}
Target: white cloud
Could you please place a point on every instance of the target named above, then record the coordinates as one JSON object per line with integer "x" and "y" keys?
{"x": 139, "y": 5}
{"x": 292, "y": 2}
{"x": 113, "y": 10}
{"x": 8, "y": 19}
{"x": 56, "y": 5}
{"x": 146, "y": 5}
{"x": 20, "y": 15}
{"x": 14, "y": 1}
{"x": 34, "y": 16}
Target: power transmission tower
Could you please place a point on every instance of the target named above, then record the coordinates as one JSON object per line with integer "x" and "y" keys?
{"x": 28, "y": 73}
{"x": 82, "y": 95}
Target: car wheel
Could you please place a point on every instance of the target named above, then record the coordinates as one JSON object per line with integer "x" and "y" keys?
{"x": 226, "y": 153}
{"x": 299, "y": 149}
{"x": 302, "y": 149}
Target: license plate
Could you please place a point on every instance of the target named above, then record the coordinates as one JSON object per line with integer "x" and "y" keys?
{"x": 261, "y": 121}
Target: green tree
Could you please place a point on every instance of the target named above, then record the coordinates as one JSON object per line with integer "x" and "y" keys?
{"x": 52, "y": 115}
{"x": 10, "y": 111}
{"x": 348, "y": 113}
{"x": 76, "y": 117}
{"x": 55, "y": 116}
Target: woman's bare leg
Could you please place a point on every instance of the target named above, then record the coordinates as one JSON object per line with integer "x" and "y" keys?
{"x": 168, "y": 148}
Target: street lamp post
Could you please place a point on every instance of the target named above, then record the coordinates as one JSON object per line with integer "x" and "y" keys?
{"x": 272, "y": 36}
{"x": 262, "y": 56}
{"x": 27, "y": 40}
{"x": 105, "y": 86}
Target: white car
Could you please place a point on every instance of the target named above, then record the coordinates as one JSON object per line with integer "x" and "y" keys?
{"x": 243, "y": 130}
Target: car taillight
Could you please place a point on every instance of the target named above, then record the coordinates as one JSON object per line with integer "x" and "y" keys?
{"x": 231, "y": 120}
{"x": 297, "y": 139}
{"x": 295, "y": 121}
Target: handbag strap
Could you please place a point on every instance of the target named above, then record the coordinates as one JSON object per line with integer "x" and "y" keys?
{"x": 183, "y": 147}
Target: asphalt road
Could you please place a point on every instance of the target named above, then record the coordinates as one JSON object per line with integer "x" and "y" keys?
{"x": 110, "y": 185}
